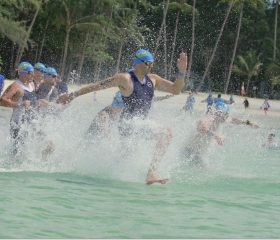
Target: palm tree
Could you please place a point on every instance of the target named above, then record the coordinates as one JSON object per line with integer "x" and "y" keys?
{"x": 193, "y": 40}
{"x": 235, "y": 44}
{"x": 9, "y": 27}
{"x": 248, "y": 66}
{"x": 216, "y": 44}
{"x": 163, "y": 24}
{"x": 254, "y": 4}
{"x": 38, "y": 57}
{"x": 275, "y": 30}
{"x": 129, "y": 31}
{"x": 273, "y": 73}
{"x": 72, "y": 20}
{"x": 181, "y": 7}
{"x": 22, "y": 47}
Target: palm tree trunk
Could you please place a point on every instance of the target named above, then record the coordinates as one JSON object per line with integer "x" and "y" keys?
{"x": 82, "y": 59}
{"x": 38, "y": 58}
{"x": 248, "y": 83}
{"x": 162, "y": 26}
{"x": 65, "y": 51}
{"x": 193, "y": 40}
{"x": 165, "y": 51}
{"x": 235, "y": 46}
{"x": 119, "y": 56}
{"x": 173, "y": 44}
{"x": 24, "y": 45}
{"x": 216, "y": 45}
{"x": 275, "y": 30}
{"x": 12, "y": 69}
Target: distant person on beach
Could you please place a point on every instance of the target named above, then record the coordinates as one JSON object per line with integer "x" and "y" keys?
{"x": 137, "y": 90}
{"x": 2, "y": 83}
{"x": 246, "y": 103}
{"x": 271, "y": 142}
{"x": 266, "y": 106}
{"x": 207, "y": 129}
{"x": 231, "y": 100}
{"x": 39, "y": 69}
{"x": 242, "y": 90}
{"x": 189, "y": 103}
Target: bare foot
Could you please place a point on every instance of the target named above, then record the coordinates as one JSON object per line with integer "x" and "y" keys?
{"x": 154, "y": 178}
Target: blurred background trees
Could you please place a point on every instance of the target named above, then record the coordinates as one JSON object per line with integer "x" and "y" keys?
{"x": 231, "y": 41}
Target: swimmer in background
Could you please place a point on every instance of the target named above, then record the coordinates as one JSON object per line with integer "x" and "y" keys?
{"x": 210, "y": 101}
{"x": 189, "y": 103}
{"x": 207, "y": 129}
{"x": 39, "y": 69}
{"x": 271, "y": 142}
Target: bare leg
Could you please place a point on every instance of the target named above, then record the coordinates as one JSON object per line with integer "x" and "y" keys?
{"x": 163, "y": 141}
{"x": 48, "y": 150}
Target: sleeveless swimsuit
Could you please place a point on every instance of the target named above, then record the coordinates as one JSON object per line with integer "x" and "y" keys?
{"x": 137, "y": 105}
{"x": 22, "y": 115}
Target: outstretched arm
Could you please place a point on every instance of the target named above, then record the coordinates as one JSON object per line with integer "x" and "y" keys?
{"x": 237, "y": 121}
{"x": 11, "y": 96}
{"x": 106, "y": 83}
{"x": 156, "y": 99}
{"x": 173, "y": 87}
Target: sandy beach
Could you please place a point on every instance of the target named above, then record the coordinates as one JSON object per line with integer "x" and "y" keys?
{"x": 237, "y": 109}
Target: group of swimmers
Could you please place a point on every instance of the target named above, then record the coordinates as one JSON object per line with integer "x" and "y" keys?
{"x": 131, "y": 104}
{"x": 35, "y": 90}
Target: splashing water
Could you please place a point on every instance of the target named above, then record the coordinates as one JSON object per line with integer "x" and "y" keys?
{"x": 96, "y": 189}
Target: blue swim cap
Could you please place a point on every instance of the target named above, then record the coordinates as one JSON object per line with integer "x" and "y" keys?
{"x": 2, "y": 77}
{"x": 50, "y": 71}
{"x": 142, "y": 55}
{"x": 118, "y": 101}
{"x": 24, "y": 67}
{"x": 39, "y": 66}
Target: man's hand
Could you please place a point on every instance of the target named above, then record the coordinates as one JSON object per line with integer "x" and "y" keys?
{"x": 26, "y": 103}
{"x": 43, "y": 102}
{"x": 219, "y": 139}
{"x": 182, "y": 62}
{"x": 63, "y": 99}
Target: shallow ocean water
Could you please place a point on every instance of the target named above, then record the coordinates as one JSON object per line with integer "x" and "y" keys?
{"x": 98, "y": 191}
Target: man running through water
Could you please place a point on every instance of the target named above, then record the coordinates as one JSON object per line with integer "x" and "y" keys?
{"x": 207, "y": 128}
{"x": 39, "y": 69}
{"x": 21, "y": 97}
{"x": 137, "y": 88}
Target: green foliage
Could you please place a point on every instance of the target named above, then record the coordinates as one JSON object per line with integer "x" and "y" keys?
{"x": 273, "y": 73}
{"x": 248, "y": 65}
{"x": 102, "y": 30}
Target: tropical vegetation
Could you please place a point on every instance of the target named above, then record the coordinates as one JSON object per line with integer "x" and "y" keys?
{"x": 228, "y": 41}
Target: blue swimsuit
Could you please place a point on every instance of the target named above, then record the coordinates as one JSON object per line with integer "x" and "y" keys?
{"x": 137, "y": 104}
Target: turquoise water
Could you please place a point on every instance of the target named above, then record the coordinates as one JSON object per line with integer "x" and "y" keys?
{"x": 91, "y": 192}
